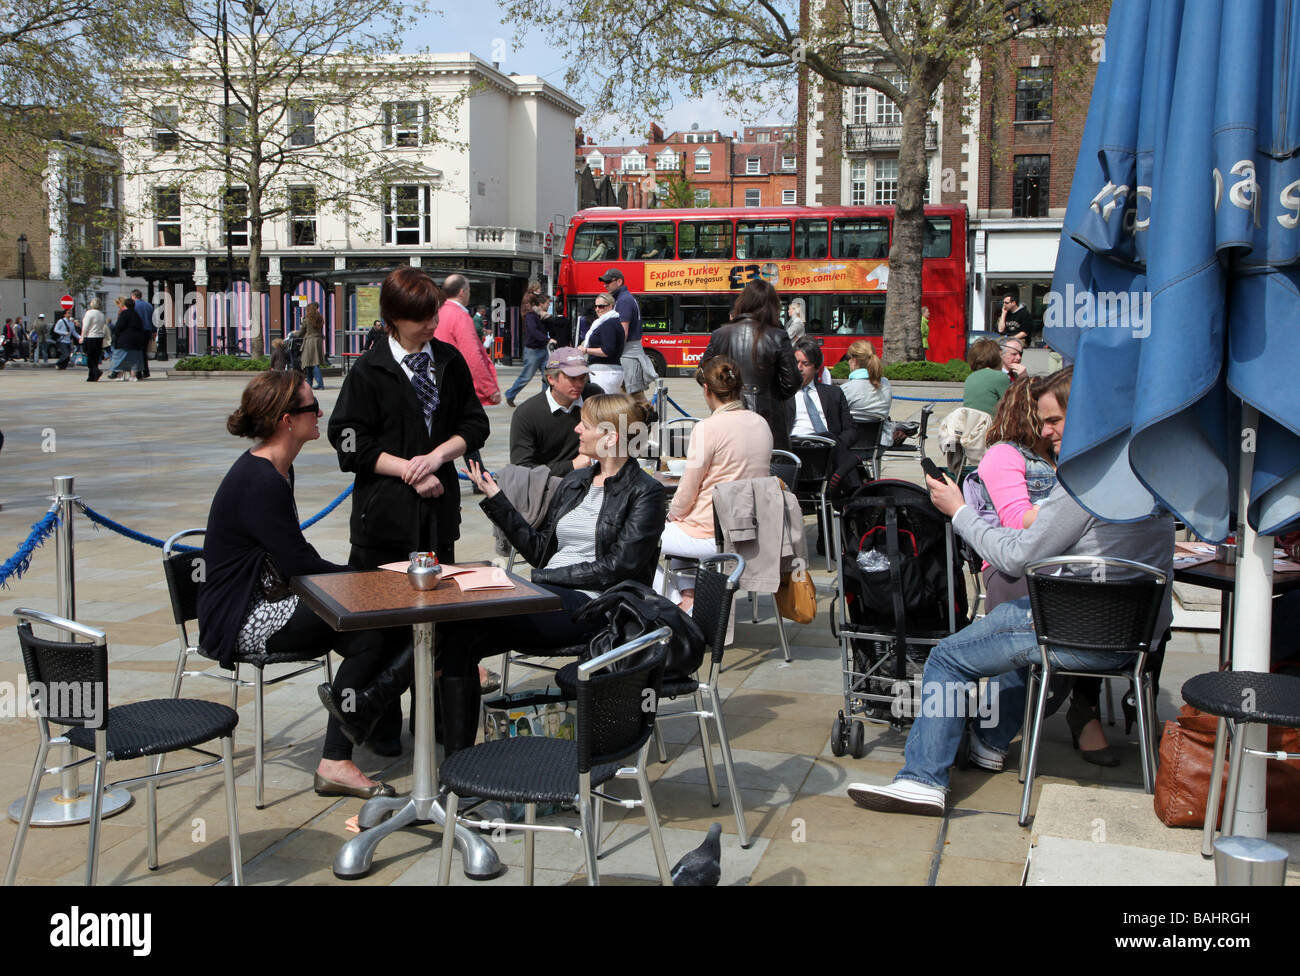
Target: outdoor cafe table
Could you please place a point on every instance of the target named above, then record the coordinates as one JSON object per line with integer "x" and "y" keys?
{"x": 382, "y": 598}
{"x": 1223, "y": 577}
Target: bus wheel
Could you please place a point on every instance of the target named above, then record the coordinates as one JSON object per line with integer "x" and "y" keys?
{"x": 657, "y": 358}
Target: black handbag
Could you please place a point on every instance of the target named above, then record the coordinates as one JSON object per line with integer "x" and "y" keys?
{"x": 632, "y": 609}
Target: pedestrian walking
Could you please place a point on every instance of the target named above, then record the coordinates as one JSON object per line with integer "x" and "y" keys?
{"x": 312, "y": 334}
{"x": 65, "y": 335}
{"x": 144, "y": 310}
{"x": 94, "y": 330}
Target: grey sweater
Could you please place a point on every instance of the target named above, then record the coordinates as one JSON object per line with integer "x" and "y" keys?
{"x": 1063, "y": 528}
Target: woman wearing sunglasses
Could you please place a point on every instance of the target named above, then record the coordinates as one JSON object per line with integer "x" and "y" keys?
{"x": 253, "y": 546}
{"x": 603, "y": 345}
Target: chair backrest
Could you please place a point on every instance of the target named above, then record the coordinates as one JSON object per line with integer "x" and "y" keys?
{"x": 816, "y": 461}
{"x": 615, "y": 715}
{"x": 785, "y": 466}
{"x": 867, "y": 438}
{"x": 68, "y": 679}
{"x": 184, "y": 569}
{"x": 715, "y": 586}
{"x": 1106, "y": 605}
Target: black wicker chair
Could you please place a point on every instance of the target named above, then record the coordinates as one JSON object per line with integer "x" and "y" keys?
{"x": 73, "y": 676}
{"x": 785, "y": 465}
{"x": 612, "y": 725}
{"x": 1113, "y": 609}
{"x": 184, "y": 570}
{"x": 816, "y": 465}
{"x": 866, "y": 445}
{"x": 1240, "y": 698}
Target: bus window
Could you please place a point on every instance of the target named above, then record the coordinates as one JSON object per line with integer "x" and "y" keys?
{"x": 936, "y": 237}
{"x": 763, "y": 239}
{"x": 860, "y": 237}
{"x": 704, "y": 239}
{"x": 810, "y": 238}
{"x": 704, "y": 313}
{"x": 656, "y": 314}
{"x": 859, "y": 316}
{"x": 647, "y": 242}
{"x": 596, "y": 242}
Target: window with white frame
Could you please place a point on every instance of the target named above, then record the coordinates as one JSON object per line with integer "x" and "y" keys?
{"x": 886, "y": 182}
{"x": 762, "y": 136}
{"x": 703, "y": 198}
{"x": 167, "y": 216}
{"x": 404, "y": 123}
{"x": 76, "y": 185}
{"x": 406, "y": 215}
{"x": 236, "y": 130}
{"x": 703, "y": 161}
{"x": 887, "y": 113}
{"x": 787, "y": 197}
{"x": 302, "y": 216}
{"x": 668, "y": 159}
{"x": 165, "y": 119}
{"x": 235, "y": 216}
{"x": 108, "y": 190}
{"x": 595, "y": 160}
{"x": 858, "y": 183}
{"x": 752, "y": 164}
{"x": 754, "y": 197}
{"x": 860, "y": 111}
{"x": 108, "y": 252}
{"x": 864, "y": 19}
{"x": 789, "y": 163}
{"x": 302, "y": 124}
{"x": 701, "y": 137}
{"x": 634, "y": 162}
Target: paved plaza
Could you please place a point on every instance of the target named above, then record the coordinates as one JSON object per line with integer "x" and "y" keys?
{"x": 150, "y": 455}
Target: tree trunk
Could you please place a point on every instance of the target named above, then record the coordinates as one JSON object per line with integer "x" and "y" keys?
{"x": 903, "y": 299}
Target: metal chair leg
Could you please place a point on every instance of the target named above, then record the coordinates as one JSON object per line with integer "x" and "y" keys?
{"x": 659, "y": 744}
{"x": 652, "y": 817}
{"x": 753, "y": 608}
{"x": 1040, "y": 713}
{"x": 530, "y": 841}
{"x": 259, "y": 743}
{"x": 1026, "y": 724}
{"x": 715, "y": 706}
{"x": 824, "y": 527}
{"x": 96, "y": 809}
{"x": 329, "y": 669}
{"x": 1234, "y": 776}
{"x": 589, "y": 832}
{"x": 179, "y": 676}
{"x": 1110, "y": 701}
{"x": 1216, "y": 788}
{"x": 505, "y": 672}
{"x": 232, "y": 811}
{"x": 1153, "y": 722}
{"x": 151, "y": 813}
{"x": 25, "y": 820}
{"x": 234, "y": 690}
{"x": 448, "y": 839}
{"x": 780, "y": 630}
{"x": 707, "y": 748}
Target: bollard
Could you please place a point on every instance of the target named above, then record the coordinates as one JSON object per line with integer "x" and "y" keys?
{"x": 69, "y": 804}
{"x": 1249, "y": 861}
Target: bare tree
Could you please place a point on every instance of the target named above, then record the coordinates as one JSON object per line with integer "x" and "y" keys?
{"x": 634, "y": 59}
{"x": 277, "y": 107}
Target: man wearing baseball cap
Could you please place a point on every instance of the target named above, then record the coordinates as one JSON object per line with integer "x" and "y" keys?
{"x": 638, "y": 371}
{"x": 543, "y": 431}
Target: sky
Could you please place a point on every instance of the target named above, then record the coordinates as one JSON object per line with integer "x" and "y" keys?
{"x": 476, "y": 27}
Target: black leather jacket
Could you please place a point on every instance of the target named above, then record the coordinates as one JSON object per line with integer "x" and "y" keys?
{"x": 767, "y": 369}
{"x": 631, "y": 521}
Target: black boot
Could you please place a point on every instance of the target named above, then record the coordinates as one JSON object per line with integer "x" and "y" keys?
{"x": 459, "y": 710}
{"x": 373, "y": 701}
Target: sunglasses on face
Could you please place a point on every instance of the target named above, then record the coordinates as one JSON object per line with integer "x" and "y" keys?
{"x": 313, "y": 407}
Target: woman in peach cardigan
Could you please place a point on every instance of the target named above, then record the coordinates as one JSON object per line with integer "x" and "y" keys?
{"x": 731, "y": 444}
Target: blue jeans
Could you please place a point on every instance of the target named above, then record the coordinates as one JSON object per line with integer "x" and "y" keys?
{"x": 534, "y": 359}
{"x": 1002, "y": 645}
{"x": 314, "y": 372}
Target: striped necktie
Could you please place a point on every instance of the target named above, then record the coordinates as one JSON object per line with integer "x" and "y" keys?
{"x": 426, "y": 389}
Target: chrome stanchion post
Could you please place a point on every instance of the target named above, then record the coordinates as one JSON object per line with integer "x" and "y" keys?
{"x": 68, "y": 804}
{"x": 661, "y": 410}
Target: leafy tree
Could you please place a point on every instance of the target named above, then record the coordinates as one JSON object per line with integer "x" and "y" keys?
{"x": 266, "y": 98}
{"x": 633, "y": 59}
{"x": 681, "y": 195}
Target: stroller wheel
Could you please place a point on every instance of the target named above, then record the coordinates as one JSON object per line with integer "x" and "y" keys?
{"x": 837, "y": 736}
{"x": 857, "y": 740}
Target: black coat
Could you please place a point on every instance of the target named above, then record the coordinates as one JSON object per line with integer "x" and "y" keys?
{"x": 767, "y": 370}
{"x": 377, "y": 412}
{"x": 839, "y": 418}
{"x": 628, "y": 528}
{"x": 128, "y": 333}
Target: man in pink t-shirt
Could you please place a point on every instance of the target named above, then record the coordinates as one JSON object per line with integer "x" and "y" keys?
{"x": 456, "y": 327}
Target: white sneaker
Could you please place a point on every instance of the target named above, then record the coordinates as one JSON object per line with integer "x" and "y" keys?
{"x": 984, "y": 757}
{"x": 900, "y": 796}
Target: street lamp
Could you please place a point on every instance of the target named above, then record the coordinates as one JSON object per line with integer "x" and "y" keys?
{"x": 22, "y": 270}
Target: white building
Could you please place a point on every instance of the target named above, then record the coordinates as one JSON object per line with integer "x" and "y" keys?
{"x": 454, "y": 167}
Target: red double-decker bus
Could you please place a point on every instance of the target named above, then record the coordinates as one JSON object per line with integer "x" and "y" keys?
{"x": 686, "y": 266}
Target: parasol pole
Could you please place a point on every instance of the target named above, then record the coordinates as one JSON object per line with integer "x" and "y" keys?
{"x": 1252, "y": 629}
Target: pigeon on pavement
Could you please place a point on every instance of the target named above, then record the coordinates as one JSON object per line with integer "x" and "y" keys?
{"x": 702, "y": 867}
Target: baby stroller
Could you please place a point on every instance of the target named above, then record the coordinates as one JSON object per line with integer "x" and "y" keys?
{"x": 901, "y": 591}
{"x": 293, "y": 349}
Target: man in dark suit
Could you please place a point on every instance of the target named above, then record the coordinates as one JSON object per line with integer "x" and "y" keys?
{"x": 818, "y": 408}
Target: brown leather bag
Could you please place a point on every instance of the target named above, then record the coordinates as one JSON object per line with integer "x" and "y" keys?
{"x": 1183, "y": 778}
{"x": 796, "y": 599}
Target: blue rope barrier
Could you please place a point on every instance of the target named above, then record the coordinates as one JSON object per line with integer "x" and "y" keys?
{"x": 121, "y": 529}
{"x": 931, "y": 399}
{"x": 18, "y": 563}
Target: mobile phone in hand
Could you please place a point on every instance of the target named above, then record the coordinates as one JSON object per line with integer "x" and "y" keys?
{"x": 932, "y": 469}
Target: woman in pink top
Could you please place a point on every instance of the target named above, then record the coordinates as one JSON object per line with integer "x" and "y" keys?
{"x": 731, "y": 444}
